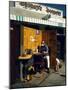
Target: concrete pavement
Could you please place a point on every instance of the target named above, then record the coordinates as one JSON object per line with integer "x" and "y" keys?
{"x": 56, "y": 78}
{"x": 44, "y": 79}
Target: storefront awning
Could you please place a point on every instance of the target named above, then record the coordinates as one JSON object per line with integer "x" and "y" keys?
{"x": 34, "y": 20}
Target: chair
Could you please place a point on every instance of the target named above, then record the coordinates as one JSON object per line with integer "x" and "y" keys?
{"x": 38, "y": 63}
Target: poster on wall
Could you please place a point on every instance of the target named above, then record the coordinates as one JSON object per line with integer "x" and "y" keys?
{"x": 37, "y": 44}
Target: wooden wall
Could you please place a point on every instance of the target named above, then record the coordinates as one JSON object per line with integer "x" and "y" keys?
{"x": 31, "y": 39}
{"x": 48, "y": 36}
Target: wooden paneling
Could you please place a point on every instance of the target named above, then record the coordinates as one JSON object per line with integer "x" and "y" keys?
{"x": 48, "y": 36}
{"x": 53, "y": 46}
{"x": 14, "y": 52}
{"x": 31, "y": 39}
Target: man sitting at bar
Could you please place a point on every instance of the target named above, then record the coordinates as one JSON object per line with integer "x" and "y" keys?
{"x": 45, "y": 53}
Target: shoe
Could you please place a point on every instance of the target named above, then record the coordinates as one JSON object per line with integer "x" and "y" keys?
{"x": 48, "y": 71}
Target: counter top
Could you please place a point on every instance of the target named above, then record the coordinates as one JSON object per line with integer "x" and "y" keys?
{"x": 25, "y": 57}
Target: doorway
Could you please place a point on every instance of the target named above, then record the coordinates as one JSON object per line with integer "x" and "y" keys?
{"x": 49, "y": 36}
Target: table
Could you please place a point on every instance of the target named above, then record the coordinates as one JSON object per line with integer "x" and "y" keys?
{"x": 23, "y": 60}
{"x": 37, "y": 53}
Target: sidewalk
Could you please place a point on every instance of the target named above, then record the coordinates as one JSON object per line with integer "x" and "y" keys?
{"x": 36, "y": 80}
{"x": 56, "y": 78}
{"x": 44, "y": 79}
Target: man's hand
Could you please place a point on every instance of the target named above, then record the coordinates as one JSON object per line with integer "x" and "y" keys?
{"x": 45, "y": 52}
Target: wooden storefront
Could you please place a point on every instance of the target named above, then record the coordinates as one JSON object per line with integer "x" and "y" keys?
{"x": 25, "y": 36}
{"x": 29, "y": 26}
{"x": 31, "y": 40}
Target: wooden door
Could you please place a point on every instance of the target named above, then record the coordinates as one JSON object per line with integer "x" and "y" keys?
{"x": 51, "y": 40}
{"x": 53, "y": 46}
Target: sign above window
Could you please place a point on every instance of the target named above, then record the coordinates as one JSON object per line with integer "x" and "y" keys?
{"x": 31, "y": 6}
{"x": 53, "y": 11}
{"x": 39, "y": 8}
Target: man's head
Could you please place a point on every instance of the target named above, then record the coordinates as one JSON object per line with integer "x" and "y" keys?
{"x": 42, "y": 43}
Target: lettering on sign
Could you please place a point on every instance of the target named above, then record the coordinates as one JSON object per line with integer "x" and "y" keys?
{"x": 37, "y": 7}
{"x": 52, "y": 11}
{"x": 31, "y": 6}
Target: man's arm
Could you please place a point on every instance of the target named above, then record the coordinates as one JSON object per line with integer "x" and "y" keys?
{"x": 46, "y": 51}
